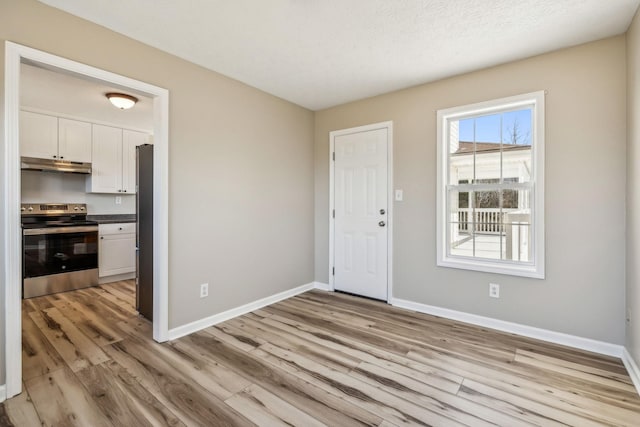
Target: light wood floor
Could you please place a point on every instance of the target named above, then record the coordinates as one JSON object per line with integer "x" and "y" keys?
{"x": 315, "y": 359}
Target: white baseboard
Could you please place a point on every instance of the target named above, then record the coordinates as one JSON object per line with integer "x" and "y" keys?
{"x": 632, "y": 368}
{"x": 321, "y": 286}
{"x": 116, "y": 278}
{"x": 514, "y": 328}
{"x": 198, "y": 325}
{"x": 501, "y": 325}
{"x": 3, "y": 392}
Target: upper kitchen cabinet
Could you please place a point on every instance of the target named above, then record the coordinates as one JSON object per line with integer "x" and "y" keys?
{"x": 38, "y": 135}
{"x": 114, "y": 160}
{"x": 48, "y": 137}
{"x": 74, "y": 140}
{"x": 106, "y": 170}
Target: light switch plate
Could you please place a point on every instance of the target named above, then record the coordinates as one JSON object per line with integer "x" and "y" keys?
{"x": 399, "y": 195}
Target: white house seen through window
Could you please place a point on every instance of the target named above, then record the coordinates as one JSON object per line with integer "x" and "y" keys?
{"x": 491, "y": 183}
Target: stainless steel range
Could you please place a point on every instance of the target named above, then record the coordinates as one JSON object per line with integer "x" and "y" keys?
{"x": 59, "y": 248}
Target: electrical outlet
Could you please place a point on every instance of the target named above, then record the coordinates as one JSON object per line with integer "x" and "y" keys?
{"x": 118, "y": 200}
{"x": 204, "y": 290}
{"x": 494, "y": 290}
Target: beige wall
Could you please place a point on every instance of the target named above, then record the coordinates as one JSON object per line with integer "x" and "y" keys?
{"x": 583, "y": 293}
{"x": 633, "y": 189}
{"x": 240, "y": 166}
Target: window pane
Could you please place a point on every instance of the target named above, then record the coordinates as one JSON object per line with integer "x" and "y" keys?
{"x": 486, "y": 200}
{"x": 460, "y": 155}
{"x": 516, "y": 148}
{"x": 517, "y": 200}
{"x": 478, "y": 245}
{"x": 487, "y": 144}
{"x": 458, "y": 219}
{"x": 517, "y": 238}
{"x": 510, "y": 198}
{"x": 462, "y": 247}
{"x": 488, "y": 245}
{"x": 516, "y": 127}
{"x": 517, "y": 227}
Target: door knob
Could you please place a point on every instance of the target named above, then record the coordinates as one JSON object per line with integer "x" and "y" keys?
{"x": 382, "y": 224}
{"x": 382, "y": 212}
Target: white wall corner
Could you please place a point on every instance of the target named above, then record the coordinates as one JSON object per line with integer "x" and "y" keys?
{"x": 3, "y": 393}
{"x": 321, "y": 286}
{"x": 632, "y": 368}
{"x": 198, "y": 325}
{"x": 581, "y": 343}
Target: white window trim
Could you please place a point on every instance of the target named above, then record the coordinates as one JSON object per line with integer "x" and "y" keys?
{"x": 537, "y": 268}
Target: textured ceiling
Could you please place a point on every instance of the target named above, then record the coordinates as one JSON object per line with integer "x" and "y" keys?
{"x": 321, "y": 53}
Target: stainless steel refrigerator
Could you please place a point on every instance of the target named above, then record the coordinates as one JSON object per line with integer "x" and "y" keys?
{"x": 144, "y": 230}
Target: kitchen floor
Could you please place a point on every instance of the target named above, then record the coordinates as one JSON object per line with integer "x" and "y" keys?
{"x": 315, "y": 359}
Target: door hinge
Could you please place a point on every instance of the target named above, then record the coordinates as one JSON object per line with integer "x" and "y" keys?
{"x": 334, "y": 213}
{"x": 334, "y": 156}
{"x": 333, "y": 271}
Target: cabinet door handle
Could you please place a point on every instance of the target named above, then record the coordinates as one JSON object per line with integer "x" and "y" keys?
{"x": 101, "y": 237}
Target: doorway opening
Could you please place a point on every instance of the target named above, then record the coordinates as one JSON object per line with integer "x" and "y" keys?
{"x": 15, "y": 56}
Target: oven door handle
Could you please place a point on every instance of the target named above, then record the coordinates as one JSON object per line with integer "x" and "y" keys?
{"x": 59, "y": 230}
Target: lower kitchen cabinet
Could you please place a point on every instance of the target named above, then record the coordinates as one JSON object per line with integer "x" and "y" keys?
{"x": 117, "y": 250}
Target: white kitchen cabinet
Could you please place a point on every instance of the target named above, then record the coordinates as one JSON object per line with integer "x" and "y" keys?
{"x": 74, "y": 140}
{"x": 114, "y": 160}
{"x": 48, "y": 137}
{"x": 117, "y": 249}
{"x": 106, "y": 168}
{"x": 38, "y": 135}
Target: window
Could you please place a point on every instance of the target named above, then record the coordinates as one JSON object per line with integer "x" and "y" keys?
{"x": 491, "y": 186}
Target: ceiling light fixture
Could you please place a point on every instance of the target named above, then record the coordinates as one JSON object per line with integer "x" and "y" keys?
{"x": 122, "y": 101}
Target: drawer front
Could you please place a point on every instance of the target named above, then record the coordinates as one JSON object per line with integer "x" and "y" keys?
{"x": 121, "y": 228}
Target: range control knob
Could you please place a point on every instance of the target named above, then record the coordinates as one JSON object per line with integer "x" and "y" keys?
{"x": 22, "y": 209}
{"x": 81, "y": 208}
{"x": 30, "y": 208}
{"x": 75, "y": 208}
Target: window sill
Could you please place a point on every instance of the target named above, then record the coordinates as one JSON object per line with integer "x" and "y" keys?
{"x": 532, "y": 271}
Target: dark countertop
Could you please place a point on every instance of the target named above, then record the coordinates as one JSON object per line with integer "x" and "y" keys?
{"x": 112, "y": 219}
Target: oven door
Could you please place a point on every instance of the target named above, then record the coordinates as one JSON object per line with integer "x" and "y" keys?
{"x": 59, "y": 250}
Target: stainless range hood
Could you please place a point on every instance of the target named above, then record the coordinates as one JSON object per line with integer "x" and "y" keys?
{"x": 50, "y": 165}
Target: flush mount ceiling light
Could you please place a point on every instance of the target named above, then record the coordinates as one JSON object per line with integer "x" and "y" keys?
{"x": 122, "y": 101}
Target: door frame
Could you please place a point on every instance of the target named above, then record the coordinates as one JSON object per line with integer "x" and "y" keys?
{"x": 15, "y": 54}
{"x": 388, "y": 125}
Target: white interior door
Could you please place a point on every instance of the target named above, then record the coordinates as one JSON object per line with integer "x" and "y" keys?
{"x": 361, "y": 213}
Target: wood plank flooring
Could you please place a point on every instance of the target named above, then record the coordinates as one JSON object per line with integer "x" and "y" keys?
{"x": 318, "y": 359}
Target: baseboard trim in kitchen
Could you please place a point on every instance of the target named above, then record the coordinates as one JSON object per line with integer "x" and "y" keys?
{"x": 632, "y": 368}
{"x": 3, "y": 393}
{"x": 581, "y": 343}
{"x": 116, "y": 278}
{"x": 198, "y": 325}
